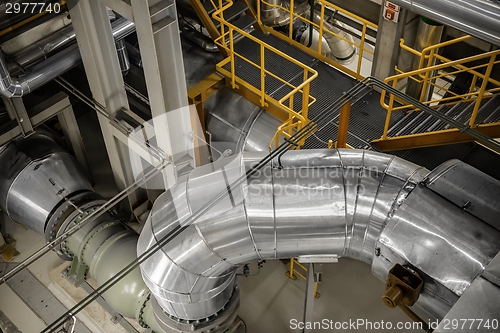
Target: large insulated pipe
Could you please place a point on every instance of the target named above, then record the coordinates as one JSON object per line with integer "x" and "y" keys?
{"x": 52, "y": 67}
{"x": 40, "y": 185}
{"x": 360, "y": 204}
{"x": 480, "y": 18}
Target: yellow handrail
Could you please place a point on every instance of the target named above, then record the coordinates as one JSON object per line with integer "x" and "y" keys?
{"x": 317, "y": 52}
{"x": 428, "y": 76}
{"x": 430, "y": 49}
{"x": 297, "y": 119}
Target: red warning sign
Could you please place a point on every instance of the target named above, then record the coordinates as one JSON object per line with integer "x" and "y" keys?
{"x": 391, "y": 11}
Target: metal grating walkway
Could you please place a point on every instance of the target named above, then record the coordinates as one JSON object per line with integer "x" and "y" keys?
{"x": 367, "y": 115}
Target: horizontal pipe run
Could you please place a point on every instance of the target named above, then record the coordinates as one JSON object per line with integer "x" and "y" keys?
{"x": 53, "y": 66}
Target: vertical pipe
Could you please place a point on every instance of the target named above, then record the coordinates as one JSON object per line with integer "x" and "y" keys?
{"x": 123, "y": 59}
{"x": 429, "y": 33}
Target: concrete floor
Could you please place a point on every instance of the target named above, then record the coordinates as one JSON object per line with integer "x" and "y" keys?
{"x": 271, "y": 300}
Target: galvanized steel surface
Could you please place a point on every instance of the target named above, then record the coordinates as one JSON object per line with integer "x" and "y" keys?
{"x": 306, "y": 202}
{"x": 480, "y": 18}
{"x": 37, "y": 175}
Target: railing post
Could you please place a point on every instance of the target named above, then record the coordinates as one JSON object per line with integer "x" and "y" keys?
{"x": 222, "y": 23}
{"x": 481, "y": 91}
{"x": 473, "y": 84}
{"x": 389, "y": 112}
{"x": 423, "y": 92}
{"x": 258, "y": 12}
{"x": 231, "y": 46}
{"x": 345, "y": 113}
{"x": 262, "y": 75}
{"x": 361, "y": 47}
{"x": 305, "y": 96}
{"x": 290, "y": 28}
{"x": 320, "y": 39}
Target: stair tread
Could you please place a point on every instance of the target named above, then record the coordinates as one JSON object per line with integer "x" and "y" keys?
{"x": 452, "y": 112}
{"x": 232, "y": 12}
{"x": 489, "y": 111}
{"x": 409, "y": 126}
{"x": 244, "y": 22}
{"x": 464, "y": 115}
{"x": 209, "y": 8}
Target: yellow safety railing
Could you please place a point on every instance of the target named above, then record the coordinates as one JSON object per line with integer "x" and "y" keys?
{"x": 293, "y": 272}
{"x": 433, "y": 68}
{"x": 297, "y": 13}
{"x": 298, "y": 115}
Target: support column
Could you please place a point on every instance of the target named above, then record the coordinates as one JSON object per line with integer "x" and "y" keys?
{"x": 160, "y": 45}
{"x": 97, "y": 47}
{"x": 387, "y": 48}
{"x": 309, "y": 301}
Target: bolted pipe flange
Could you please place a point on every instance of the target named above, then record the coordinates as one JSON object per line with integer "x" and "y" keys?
{"x": 61, "y": 214}
{"x": 216, "y": 323}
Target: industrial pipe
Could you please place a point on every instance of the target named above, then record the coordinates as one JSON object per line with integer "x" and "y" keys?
{"x": 480, "y": 18}
{"x": 123, "y": 59}
{"x": 43, "y": 188}
{"x": 429, "y": 33}
{"x": 359, "y": 204}
{"x": 339, "y": 49}
{"x": 370, "y": 206}
{"x": 53, "y": 66}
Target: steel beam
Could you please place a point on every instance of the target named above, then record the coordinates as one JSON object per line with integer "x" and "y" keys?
{"x": 96, "y": 42}
{"x": 160, "y": 45}
{"x": 438, "y": 138}
{"x": 387, "y": 48}
{"x": 73, "y": 138}
{"x": 207, "y": 22}
{"x": 121, "y": 7}
{"x": 57, "y": 105}
{"x": 15, "y": 106}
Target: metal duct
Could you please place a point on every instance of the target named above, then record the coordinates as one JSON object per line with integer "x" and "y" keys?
{"x": 429, "y": 33}
{"x": 121, "y": 50}
{"x": 37, "y": 162}
{"x": 480, "y": 18}
{"x": 53, "y": 66}
{"x": 42, "y": 48}
{"x": 249, "y": 129}
{"x": 43, "y": 188}
{"x": 340, "y": 50}
{"x": 358, "y": 204}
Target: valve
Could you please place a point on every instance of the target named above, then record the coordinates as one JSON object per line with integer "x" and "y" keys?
{"x": 403, "y": 287}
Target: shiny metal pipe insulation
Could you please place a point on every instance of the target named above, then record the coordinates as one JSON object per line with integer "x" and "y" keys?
{"x": 40, "y": 185}
{"x": 53, "y": 66}
{"x": 353, "y": 203}
{"x": 480, "y": 18}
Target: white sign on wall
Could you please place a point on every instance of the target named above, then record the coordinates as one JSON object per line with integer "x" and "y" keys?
{"x": 391, "y": 11}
